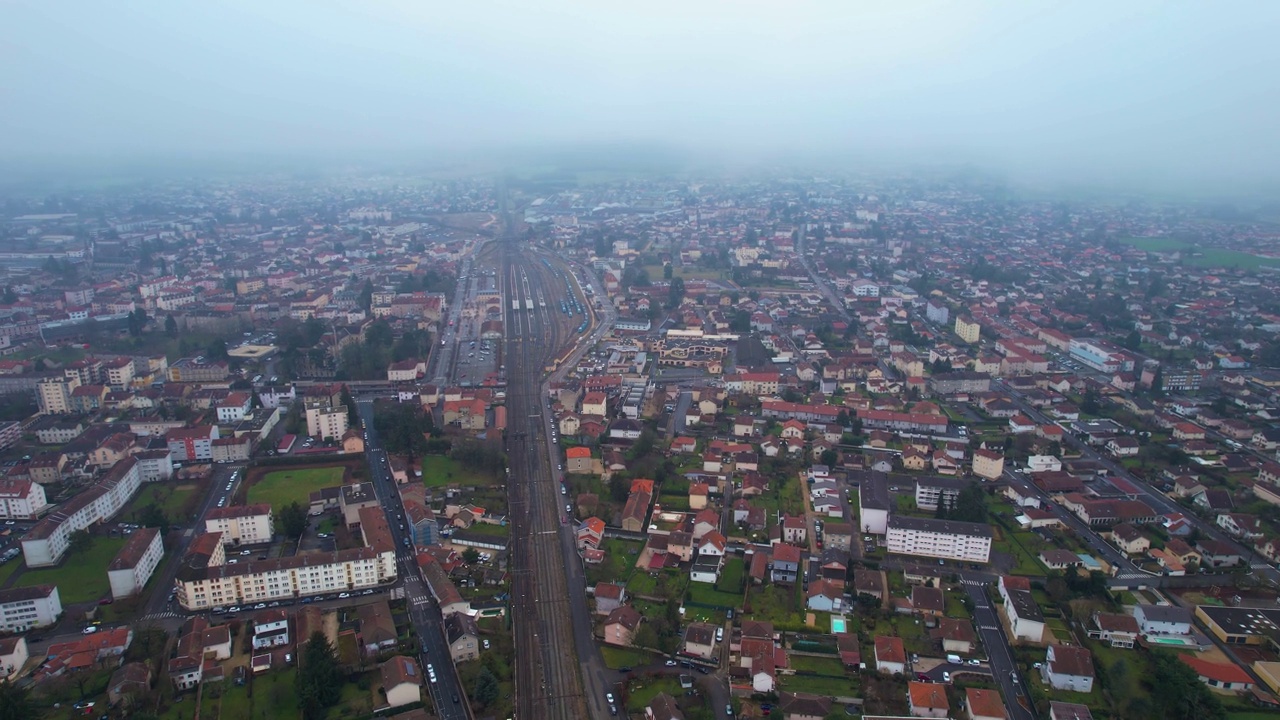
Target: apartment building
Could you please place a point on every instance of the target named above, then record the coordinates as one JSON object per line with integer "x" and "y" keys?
{"x": 24, "y": 608}
{"x": 932, "y": 490}
{"x": 241, "y": 524}
{"x": 208, "y": 579}
{"x": 21, "y": 499}
{"x": 130, "y": 570}
{"x": 48, "y": 540}
{"x": 968, "y": 329}
{"x": 53, "y": 395}
{"x": 190, "y": 444}
{"x": 325, "y": 421}
{"x": 945, "y": 539}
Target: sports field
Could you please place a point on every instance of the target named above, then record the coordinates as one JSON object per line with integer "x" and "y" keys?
{"x": 282, "y": 487}
{"x": 1205, "y": 257}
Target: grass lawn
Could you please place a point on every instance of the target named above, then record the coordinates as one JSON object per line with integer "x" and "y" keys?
{"x": 438, "y": 471}
{"x": 80, "y": 578}
{"x": 1200, "y": 256}
{"x": 777, "y": 604}
{"x": 709, "y": 595}
{"x": 842, "y": 686}
{"x": 490, "y": 529}
{"x": 816, "y": 665}
{"x": 172, "y": 499}
{"x": 731, "y": 576}
{"x": 616, "y": 657}
{"x": 618, "y": 561}
{"x": 282, "y": 487}
{"x": 643, "y": 691}
{"x": 8, "y": 569}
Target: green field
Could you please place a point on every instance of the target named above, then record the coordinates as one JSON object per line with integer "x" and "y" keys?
{"x": 282, "y": 487}
{"x": 80, "y": 578}
{"x": 1205, "y": 257}
{"x": 172, "y": 499}
{"x": 438, "y": 471}
{"x": 617, "y": 657}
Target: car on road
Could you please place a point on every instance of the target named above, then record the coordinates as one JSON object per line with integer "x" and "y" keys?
{"x": 343, "y": 596}
{"x": 260, "y": 606}
{"x": 670, "y": 663}
{"x": 90, "y": 630}
{"x": 946, "y": 676}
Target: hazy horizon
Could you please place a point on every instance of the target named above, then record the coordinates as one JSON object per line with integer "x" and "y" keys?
{"x": 1166, "y": 98}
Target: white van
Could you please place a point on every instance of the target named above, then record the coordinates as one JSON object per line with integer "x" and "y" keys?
{"x": 954, "y": 659}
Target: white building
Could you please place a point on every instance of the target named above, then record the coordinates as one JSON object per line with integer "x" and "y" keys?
{"x": 326, "y": 422}
{"x": 13, "y": 655}
{"x": 21, "y": 499}
{"x": 234, "y": 407}
{"x": 48, "y": 540}
{"x": 131, "y": 569}
{"x": 1043, "y": 463}
{"x": 24, "y": 608}
{"x": 1026, "y": 621}
{"x": 270, "y": 629}
{"x": 207, "y": 579}
{"x": 241, "y": 524}
{"x": 154, "y": 465}
{"x": 946, "y": 539}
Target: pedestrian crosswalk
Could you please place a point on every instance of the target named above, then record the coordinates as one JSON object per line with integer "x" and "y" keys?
{"x": 974, "y": 583}
{"x": 420, "y": 599}
{"x": 1260, "y": 566}
{"x": 161, "y": 615}
{"x": 1133, "y": 576}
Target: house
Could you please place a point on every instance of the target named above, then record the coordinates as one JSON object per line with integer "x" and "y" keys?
{"x": 270, "y": 629}
{"x": 698, "y": 495}
{"x": 927, "y": 699}
{"x": 837, "y": 536}
{"x": 663, "y": 707}
{"x": 1223, "y": 677}
{"x": 1120, "y": 631}
{"x": 825, "y": 596}
{"x": 463, "y": 636}
{"x": 928, "y": 601}
{"x": 1068, "y": 668}
{"x": 13, "y": 655}
{"x": 700, "y": 640}
{"x": 891, "y": 655}
{"x": 1026, "y": 621}
{"x": 132, "y": 681}
{"x": 803, "y": 706}
{"x": 1129, "y": 539}
{"x": 377, "y": 628}
{"x": 401, "y": 681}
{"x": 1059, "y": 559}
{"x": 1123, "y": 446}
{"x": 786, "y": 563}
{"x": 621, "y": 625}
{"x": 1162, "y": 619}
{"x": 957, "y": 635}
{"x": 706, "y": 569}
{"x": 984, "y": 704}
{"x": 609, "y": 597}
{"x": 578, "y": 460}
{"x": 1217, "y": 553}
{"x": 794, "y": 530}
{"x": 1242, "y": 525}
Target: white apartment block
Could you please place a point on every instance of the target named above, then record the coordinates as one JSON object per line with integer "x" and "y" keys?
{"x": 945, "y": 539}
{"x": 48, "y": 540}
{"x": 241, "y": 524}
{"x": 24, "y": 608}
{"x": 326, "y": 422}
{"x": 154, "y": 465}
{"x": 119, "y": 375}
{"x": 54, "y": 395}
{"x": 131, "y": 569}
{"x": 932, "y": 490}
{"x": 207, "y": 579}
{"x": 21, "y": 499}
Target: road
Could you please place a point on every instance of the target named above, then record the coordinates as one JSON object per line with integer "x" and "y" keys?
{"x": 446, "y": 692}
{"x": 999, "y": 658}
{"x": 1157, "y": 500}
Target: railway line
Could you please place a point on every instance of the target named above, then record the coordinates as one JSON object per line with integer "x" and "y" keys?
{"x": 548, "y": 677}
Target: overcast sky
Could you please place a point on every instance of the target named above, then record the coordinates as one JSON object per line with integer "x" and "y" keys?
{"x": 1090, "y": 89}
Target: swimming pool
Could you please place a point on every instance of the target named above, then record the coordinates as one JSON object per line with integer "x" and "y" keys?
{"x": 837, "y": 625}
{"x": 1171, "y": 641}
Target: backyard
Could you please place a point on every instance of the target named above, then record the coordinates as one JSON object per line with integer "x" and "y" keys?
{"x": 438, "y": 471}
{"x": 81, "y": 577}
{"x": 282, "y": 487}
{"x": 173, "y": 500}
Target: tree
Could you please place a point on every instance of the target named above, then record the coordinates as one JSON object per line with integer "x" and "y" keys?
{"x": 666, "y": 271}
{"x": 10, "y": 297}
{"x": 16, "y": 703}
{"x": 319, "y": 681}
{"x": 293, "y": 519}
{"x": 153, "y": 516}
{"x": 487, "y": 689}
{"x": 1090, "y": 404}
{"x": 619, "y": 487}
{"x": 675, "y": 292}
{"x": 1181, "y": 695}
{"x": 79, "y": 542}
{"x": 829, "y": 457}
{"x": 1157, "y": 381}
{"x": 353, "y": 413}
{"x": 970, "y": 505}
{"x": 471, "y": 555}
{"x": 170, "y": 326}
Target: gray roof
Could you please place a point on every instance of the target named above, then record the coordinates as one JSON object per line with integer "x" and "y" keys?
{"x": 949, "y": 527}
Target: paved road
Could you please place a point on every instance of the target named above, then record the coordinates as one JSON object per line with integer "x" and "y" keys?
{"x": 447, "y": 692}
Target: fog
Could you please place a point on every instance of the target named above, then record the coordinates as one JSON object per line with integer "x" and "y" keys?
{"x": 1125, "y": 93}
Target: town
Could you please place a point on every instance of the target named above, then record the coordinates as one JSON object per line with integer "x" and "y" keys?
{"x": 695, "y": 448}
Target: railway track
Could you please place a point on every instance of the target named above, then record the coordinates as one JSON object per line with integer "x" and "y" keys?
{"x": 548, "y": 678}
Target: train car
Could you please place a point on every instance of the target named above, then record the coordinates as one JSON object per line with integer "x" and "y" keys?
{"x": 528, "y": 304}
{"x": 515, "y": 304}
